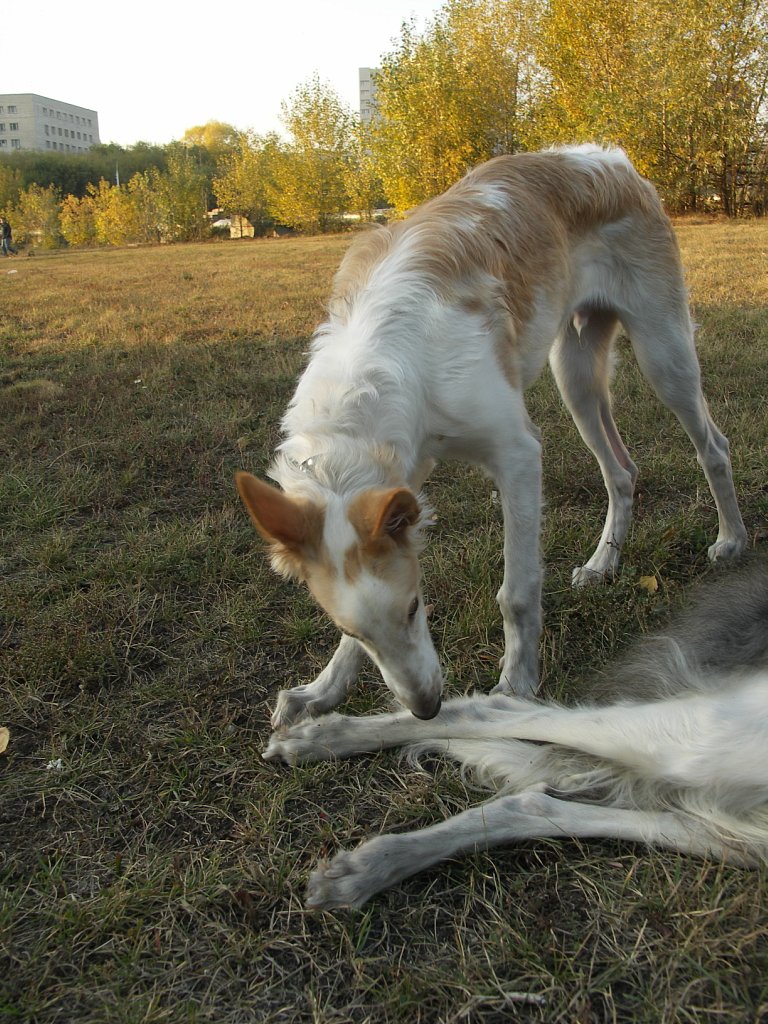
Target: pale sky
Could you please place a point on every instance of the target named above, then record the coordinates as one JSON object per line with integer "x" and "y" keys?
{"x": 153, "y": 68}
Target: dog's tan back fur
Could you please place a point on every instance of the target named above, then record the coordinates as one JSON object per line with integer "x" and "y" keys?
{"x": 513, "y": 220}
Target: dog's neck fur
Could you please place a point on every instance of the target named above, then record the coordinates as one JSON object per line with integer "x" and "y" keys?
{"x": 340, "y": 464}
{"x": 357, "y": 420}
{"x": 343, "y": 446}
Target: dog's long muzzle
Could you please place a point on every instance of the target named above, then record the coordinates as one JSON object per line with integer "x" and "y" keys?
{"x": 432, "y": 713}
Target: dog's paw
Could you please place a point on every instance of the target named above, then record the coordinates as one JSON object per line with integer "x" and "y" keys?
{"x": 583, "y": 576}
{"x": 291, "y": 706}
{"x": 724, "y": 550}
{"x": 347, "y": 880}
{"x": 308, "y": 740}
{"x": 517, "y": 685}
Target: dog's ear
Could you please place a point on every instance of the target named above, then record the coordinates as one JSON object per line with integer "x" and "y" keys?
{"x": 289, "y": 526}
{"x": 394, "y": 512}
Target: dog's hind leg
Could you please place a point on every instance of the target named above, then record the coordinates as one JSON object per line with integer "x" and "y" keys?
{"x": 351, "y": 878}
{"x": 580, "y": 363}
{"x": 329, "y": 689}
{"x": 665, "y": 351}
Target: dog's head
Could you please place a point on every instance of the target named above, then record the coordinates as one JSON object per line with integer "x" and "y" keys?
{"x": 359, "y": 559}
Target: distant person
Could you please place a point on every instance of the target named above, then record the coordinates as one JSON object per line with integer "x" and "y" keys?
{"x": 6, "y": 238}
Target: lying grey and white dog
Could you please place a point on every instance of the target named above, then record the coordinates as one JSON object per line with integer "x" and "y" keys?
{"x": 677, "y": 757}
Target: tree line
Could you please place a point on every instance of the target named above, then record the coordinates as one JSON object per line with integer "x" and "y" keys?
{"x": 680, "y": 84}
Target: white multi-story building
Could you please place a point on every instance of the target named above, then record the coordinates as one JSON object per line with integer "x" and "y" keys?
{"x": 28, "y": 121}
{"x": 368, "y": 108}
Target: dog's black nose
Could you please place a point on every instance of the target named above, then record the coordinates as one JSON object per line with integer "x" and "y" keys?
{"x": 431, "y": 714}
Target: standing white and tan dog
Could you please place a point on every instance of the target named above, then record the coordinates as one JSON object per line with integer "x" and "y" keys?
{"x": 437, "y": 326}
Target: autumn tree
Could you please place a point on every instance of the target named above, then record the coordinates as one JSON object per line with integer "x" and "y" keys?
{"x": 154, "y": 206}
{"x": 732, "y": 41}
{"x": 181, "y": 196}
{"x": 681, "y": 84}
{"x": 310, "y": 171}
{"x": 35, "y": 216}
{"x": 76, "y": 220}
{"x": 454, "y": 95}
{"x": 218, "y": 137}
{"x": 362, "y": 181}
{"x": 113, "y": 213}
{"x": 245, "y": 185}
{"x": 145, "y": 206}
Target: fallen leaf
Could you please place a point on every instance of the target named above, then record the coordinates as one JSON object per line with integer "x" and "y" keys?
{"x": 649, "y": 583}
{"x": 5, "y": 737}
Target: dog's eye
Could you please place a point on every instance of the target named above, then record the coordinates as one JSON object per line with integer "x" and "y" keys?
{"x": 414, "y": 607}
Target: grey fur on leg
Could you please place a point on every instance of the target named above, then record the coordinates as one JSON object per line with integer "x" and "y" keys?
{"x": 351, "y": 877}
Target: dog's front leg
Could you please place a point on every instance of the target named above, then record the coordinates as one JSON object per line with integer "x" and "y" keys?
{"x": 519, "y": 481}
{"x": 327, "y": 691}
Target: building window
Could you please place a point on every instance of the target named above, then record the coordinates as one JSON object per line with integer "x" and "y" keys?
{"x": 14, "y": 126}
{"x": 11, "y": 110}
{"x": 2, "y": 127}
{"x": 2, "y": 109}
{"x": 15, "y": 143}
{"x": 3, "y": 143}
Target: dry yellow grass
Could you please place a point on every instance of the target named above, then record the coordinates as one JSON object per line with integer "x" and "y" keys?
{"x": 153, "y": 867}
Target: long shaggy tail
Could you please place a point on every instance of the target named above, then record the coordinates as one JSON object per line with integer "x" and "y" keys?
{"x": 500, "y": 765}
{"x": 723, "y": 630}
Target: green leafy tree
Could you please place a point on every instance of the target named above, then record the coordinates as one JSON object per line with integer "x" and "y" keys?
{"x": 362, "y": 181}
{"x": 11, "y": 184}
{"x": 142, "y": 190}
{"x": 182, "y": 197}
{"x": 71, "y": 173}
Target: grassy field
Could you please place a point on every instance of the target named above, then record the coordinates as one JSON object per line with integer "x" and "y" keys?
{"x": 153, "y": 866}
